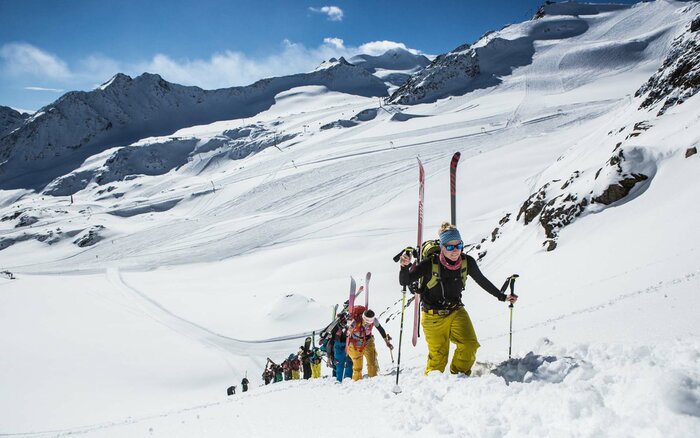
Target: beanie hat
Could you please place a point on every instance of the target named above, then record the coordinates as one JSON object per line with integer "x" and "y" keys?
{"x": 449, "y": 235}
{"x": 368, "y": 316}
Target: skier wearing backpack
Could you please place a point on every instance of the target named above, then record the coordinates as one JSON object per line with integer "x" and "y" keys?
{"x": 287, "y": 369}
{"x": 361, "y": 341}
{"x": 304, "y": 355}
{"x": 441, "y": 276}
{"x": 295, "y": 366}
{"x": 316, "y": 356}
{"x": 336, "y": 350}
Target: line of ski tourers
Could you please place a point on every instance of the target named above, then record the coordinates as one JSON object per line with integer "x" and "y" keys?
{"x": 437, "y": 278}
{"x": 344, "y": 345}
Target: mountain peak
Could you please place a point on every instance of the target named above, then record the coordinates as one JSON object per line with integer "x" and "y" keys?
{"x": 122, "y": 80}
{"x": 118, "y": 79}
{"x": 393, "y": 59}
{"x": 333, "y": 62}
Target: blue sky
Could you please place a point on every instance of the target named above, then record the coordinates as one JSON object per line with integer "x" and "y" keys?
{"x": 49, "y": 47}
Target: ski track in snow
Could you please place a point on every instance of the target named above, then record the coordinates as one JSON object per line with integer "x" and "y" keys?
{"x": 347, "y": 191}
{"x": 661, "y": 286}
{"x": 198, "y": 333}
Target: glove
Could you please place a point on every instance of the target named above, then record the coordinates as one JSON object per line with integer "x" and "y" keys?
{"x": 405, "y": 260}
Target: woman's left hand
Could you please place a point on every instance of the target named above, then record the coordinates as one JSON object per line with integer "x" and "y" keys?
{"x": 511, "y": 299}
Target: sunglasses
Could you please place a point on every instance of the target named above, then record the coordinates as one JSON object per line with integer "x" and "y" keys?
{"x": 460, "y": 245}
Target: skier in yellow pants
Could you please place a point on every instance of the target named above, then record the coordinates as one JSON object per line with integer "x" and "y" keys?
{"x": 442, "y": 275}
{"x": 361, "y": 342}
{"x": 316, "y": 363}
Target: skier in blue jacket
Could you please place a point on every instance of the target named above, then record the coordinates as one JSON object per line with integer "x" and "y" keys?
{"x": 336, "y": 351}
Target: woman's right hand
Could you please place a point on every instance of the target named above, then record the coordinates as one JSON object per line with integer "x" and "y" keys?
{"x": 405, "y": 259}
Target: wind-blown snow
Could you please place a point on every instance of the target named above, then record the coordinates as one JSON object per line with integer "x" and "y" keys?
{"x": 141, "y": 298}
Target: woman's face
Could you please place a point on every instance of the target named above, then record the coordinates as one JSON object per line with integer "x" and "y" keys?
{"x": 455, "y": 253}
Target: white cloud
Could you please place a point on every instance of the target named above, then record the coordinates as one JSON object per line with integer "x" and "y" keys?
{"x": 334, "y": 42}
{"x": 20, "y": 59}
{"x": 334, "y": 13}
{"x": 231, "y": 68}
{"x": 53, "y": 90}
{"x": 220, "y": 70}
{"x": 379, "y": 47}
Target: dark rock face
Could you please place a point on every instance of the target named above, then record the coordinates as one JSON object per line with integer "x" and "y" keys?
{"x": 690, "y": 152}
{"x": 7, "y": 274}
{"x": 11, "y": 217}
{"x": 617, "y": 191}
{"x": 549, "y": 245}
{"x": 91, "y": 238}
{"x": 10, "y": 120}
{"x": 554, "y": 217}
{"x": 678, "y": 79}
{"x": 27, "y": 220}
{"x": 533, "y": 206}
{"x": 555, "y": 205}
{"x": 342, "y": 123}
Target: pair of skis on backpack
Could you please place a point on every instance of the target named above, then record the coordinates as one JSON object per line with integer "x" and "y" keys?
{"x": 348, "y": 306}
{"x": 419, "y": 241}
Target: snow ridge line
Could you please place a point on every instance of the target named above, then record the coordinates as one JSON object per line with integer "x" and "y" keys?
{"x": 178, "y": 323}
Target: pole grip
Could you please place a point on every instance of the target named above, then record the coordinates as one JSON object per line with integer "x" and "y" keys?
{"x": 407, "y": 250}
{"x": 511, "y": 281}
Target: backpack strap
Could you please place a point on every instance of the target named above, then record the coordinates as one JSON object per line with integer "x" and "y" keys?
{"x": 435, "y": 272}
{"x": 463, "y": 271}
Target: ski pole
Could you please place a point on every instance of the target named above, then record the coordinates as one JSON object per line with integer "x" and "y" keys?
{"x": 511, "y": 281}
{"x": 407, "y": 250}
{"x": 397, "y": 388}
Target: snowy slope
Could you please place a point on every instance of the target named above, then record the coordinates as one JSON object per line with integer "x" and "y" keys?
{"x": 62, "y": 135}
{"x": 197, "y": 264}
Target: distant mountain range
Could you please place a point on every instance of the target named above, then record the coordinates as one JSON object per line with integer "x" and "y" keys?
{"x": 35, "y": 150}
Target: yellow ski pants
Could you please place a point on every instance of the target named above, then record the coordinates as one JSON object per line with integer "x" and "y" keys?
{"x": 357, "y": 357}
{"x": 315, "y": 370}
{"x": 295, "y": 375}
{"x": 439, "y": 331}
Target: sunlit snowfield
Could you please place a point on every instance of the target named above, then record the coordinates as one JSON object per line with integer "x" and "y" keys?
{"x": 201, "y": 269}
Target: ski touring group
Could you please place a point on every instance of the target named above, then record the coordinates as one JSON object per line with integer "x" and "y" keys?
{"x": 307, "y": 361}
{"x": 435, "y": 272}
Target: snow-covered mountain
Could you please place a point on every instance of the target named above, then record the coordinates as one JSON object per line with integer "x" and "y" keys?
{"x": 10, "y": 119}
{"x": 62, "y": 135}
{"x": 395, "y": 66}
{"x": 394, "y": 59}
{"x": 184, "y": 259}
{"x": 495, "y": 55}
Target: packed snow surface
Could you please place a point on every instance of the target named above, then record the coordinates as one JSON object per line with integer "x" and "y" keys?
{"x": 181, "y": 262}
